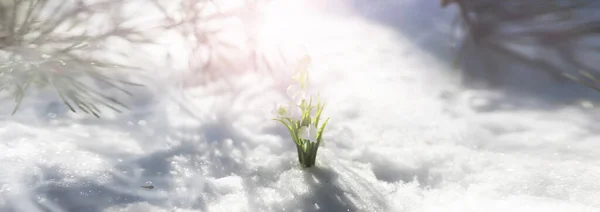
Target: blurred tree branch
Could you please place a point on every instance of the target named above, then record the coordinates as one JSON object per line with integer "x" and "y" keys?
{"x": 53, "y": 43}
{"x": 61, "y": 44}
{"x": 207, "y": 24}
{"x": 564, "y": 28}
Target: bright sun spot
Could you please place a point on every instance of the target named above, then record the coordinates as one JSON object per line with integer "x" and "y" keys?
{"x": 286, "y": 25}
{"x": 272, "y": 28}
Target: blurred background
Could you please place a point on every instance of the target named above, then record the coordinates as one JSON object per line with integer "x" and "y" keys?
{"x": 544, "y": 50}
{"x": 536, "y": 49}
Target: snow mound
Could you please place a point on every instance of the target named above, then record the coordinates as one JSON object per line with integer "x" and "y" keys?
{"x": 403, "y": 137}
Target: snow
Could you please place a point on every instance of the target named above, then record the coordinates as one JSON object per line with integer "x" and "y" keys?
{"x": 403, "y": 136}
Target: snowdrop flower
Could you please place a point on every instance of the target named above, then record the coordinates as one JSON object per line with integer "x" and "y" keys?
{"x": 284, "y": 110}
{"x": 302, "y": 119}
{"x": 296, "y": 94}
{"x": 308, "y": 133}
{"x": 301, "y": 74}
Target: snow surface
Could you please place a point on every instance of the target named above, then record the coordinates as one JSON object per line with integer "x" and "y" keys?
{"x": 404, "y": 136}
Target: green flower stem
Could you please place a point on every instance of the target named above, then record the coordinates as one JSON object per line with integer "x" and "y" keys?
{"x": 307, "y": 153}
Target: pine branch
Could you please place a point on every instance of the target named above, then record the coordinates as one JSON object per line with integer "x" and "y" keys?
{"x": 48, "y": 43}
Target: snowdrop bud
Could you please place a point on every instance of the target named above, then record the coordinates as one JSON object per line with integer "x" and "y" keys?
{"x": 280, "y": 110}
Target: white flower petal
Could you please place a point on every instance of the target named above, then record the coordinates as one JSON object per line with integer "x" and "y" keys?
{"x": 308, "y": 133}
{"x": 303, "y": 133}
{"x": 313, "y": 131}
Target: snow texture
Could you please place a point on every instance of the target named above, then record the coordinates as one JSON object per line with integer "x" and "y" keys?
{"x": 403, "y": 136}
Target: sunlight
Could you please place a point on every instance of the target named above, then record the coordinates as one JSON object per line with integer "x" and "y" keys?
{"x": 286, "y": 26}
{"x": 281, "y": 31}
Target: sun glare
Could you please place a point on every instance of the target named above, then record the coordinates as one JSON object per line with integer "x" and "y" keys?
{"x": 286, "y": 26}
{"x": 271, "y": 29}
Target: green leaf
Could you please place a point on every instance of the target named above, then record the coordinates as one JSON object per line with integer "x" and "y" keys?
{"x": 291, "y": 129}
{"x": 319, "y": 111}
{"x": 320, "y": 131}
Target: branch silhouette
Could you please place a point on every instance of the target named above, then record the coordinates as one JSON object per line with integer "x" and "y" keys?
{"x": 564, "y": 28}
